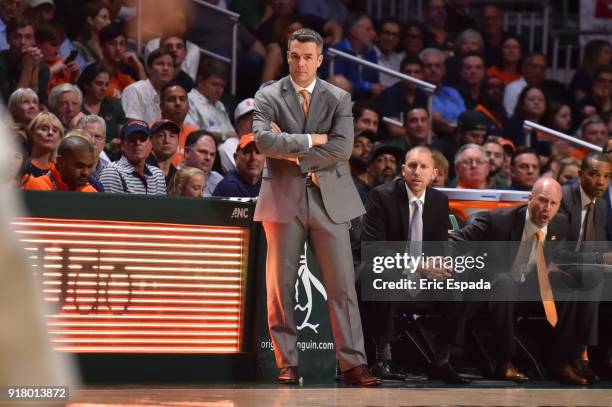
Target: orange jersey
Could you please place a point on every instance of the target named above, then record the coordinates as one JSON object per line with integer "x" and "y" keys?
{"x": 505, "y": 76}
{"x": 186, "y": 129}
{"x": 117, "y": 83}
{"x": 52, "y": 181}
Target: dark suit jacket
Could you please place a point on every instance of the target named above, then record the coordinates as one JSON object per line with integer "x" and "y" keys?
{"x": 609, "y": 220}
{"x": 387, "y": 215}
{"x": 506, "y": 225}
{"x": 571, "y": 207}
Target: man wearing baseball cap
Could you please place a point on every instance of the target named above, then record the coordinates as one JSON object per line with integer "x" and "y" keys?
{"x": 384, "y": 164}
{"x": 245, "y": 180}
{"x": 165, "y": 142}
{"x": 243, "y": 123}
{"x": 131, "y": 174}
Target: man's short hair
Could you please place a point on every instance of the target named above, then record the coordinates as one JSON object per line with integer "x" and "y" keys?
{"x": 472, "y": 54}
{"x": 586, "y": 123}
{"x": 416, "y": 107}
{"x": 16, "y": 23}
{"x": 465, "y": 147}
{"x": 410, "y": 59}
{"x": 463, "y": 35}
{"x": 432, "y": 51}
{"x": 70, "y": 143}
{"x": 360, "y": 107}
{"x": 210, "y": 67}
{"x": 306, "y": 35}
{"x": 110, "y": 32}
{"x": 169, "y": 85}
{"x": 535, "y": 54}
{"x": 158, "y": 53}
{"x": 593, "y": 156}
{"x": 51, "y": 32}
{"x": 523, "y": 150}
{"x": 172, "y": 34}
{"x": 92, "y": 119}
{"x": 195, "y": 136}
{"x": 61, "y": 89}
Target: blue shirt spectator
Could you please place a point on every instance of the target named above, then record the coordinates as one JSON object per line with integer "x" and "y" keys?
{"x": 234, "y": 186}
{"x": 448, "y": 102}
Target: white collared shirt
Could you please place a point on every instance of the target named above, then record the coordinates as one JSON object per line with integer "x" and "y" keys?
{"x": 206, "y": 115}
{"x": 141, "y": 101}
{"x": 412, "y": 198}
{"x": 392, "y": 60}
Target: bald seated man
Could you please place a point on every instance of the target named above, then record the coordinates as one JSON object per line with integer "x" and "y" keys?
{"x": 513, "y": 271}
{"x": 75, "y": 162}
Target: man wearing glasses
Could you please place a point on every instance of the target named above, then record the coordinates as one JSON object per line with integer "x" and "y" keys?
{"x": 472, "y": 167}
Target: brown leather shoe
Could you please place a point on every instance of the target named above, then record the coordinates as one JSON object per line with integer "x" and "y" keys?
{"x": 568, "y": 375}
{"x": 359, "y": 376}
{"x": 507, "y": 371}
{"x": 583, "y": 368}
{"x": 289, "y": 375}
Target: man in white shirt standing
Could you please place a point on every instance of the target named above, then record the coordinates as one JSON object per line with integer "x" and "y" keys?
{"x": 206, "y": 111}
{"x": 141, "y": 100}
{"x": 388, "y": 40}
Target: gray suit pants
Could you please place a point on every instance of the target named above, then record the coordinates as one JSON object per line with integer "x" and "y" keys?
{"x": 331, "y": 245}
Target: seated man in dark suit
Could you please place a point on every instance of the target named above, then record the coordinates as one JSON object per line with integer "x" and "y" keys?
{"x": 403, "y": 210}
{"x": 527, "y": 269}
{"x": 588, "y": 214}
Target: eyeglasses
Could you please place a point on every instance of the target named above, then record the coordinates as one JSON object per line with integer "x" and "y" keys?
{"x": 473, "y": 162}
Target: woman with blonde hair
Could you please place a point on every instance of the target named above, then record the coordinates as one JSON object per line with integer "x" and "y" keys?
{"x": 44, "y": 134}
{"x": 23, "y": 105}
{"x": 189, "y": 181}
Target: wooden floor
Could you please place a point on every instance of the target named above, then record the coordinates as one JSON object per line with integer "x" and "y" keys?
{"x": 277, "y": 396}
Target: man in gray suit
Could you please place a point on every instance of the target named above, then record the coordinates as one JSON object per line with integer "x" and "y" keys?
{"x": 304, "y": 127}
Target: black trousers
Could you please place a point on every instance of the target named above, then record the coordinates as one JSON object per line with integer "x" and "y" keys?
{"x": 574, "y": 291}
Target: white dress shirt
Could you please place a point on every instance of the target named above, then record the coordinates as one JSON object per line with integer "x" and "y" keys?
{"x": 207, "y": 115}
{"x": 411, "y": 198}
{"x": 391, "y": 61}
{"x": 141, "y": 101}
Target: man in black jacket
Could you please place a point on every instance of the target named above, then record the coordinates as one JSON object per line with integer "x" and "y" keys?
{"x": 408, "y": 210}
{"x": 527, "y": 271}
{"x": 584, "y": 205}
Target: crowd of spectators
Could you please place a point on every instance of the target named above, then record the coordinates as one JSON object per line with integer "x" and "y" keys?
{"x": 59, "y": 74}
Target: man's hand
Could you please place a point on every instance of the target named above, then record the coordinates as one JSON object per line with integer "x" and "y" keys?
{"x": 438, "y": 273}
{"x": 276, "y": 129}
{"x": 318, "y": 139}
{"x": 32, "y": 57}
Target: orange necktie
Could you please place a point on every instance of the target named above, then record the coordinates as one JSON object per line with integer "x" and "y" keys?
{"x": 545, "y": 291}
{"x": 305, "y": 101}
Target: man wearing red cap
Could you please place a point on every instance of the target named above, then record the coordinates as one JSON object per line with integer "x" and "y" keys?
{"x": 245, "y": 180}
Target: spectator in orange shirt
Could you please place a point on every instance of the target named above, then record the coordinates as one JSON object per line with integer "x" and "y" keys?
{"x": 511, "y": 55}
{"x": 44, "y": 134}
{"x": 174, "y": 107}
{"x": 119, "y": 61}
{"x": 75, "y": 162}
{"x": 49, "y": 38}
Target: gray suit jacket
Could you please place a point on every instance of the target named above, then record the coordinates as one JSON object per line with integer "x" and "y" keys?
{"x": 283, "y": 184}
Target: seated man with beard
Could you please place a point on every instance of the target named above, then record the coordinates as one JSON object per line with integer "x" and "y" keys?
{"x": 383, "y": 164}
{"x": 362, "y": 146}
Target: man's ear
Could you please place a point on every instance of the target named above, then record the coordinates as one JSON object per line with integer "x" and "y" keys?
{"x": 434, "y": 174}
